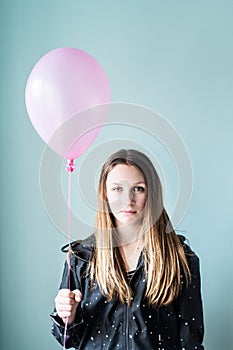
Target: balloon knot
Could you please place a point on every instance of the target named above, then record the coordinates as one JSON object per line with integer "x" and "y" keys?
{"x": 70, "y": 166}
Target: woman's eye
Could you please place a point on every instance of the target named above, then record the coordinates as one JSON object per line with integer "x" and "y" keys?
{"x": 117, "y": 189}
{"x": 139, "y": 189}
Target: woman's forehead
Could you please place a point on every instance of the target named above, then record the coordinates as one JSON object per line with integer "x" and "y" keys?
{"x": 123, "y": 172}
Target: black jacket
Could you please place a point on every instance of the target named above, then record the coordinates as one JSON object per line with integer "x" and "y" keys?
{"x": 103, "y": 325}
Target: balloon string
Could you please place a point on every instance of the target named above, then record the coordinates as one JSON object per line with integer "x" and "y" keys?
{"x": 69, "y": 246}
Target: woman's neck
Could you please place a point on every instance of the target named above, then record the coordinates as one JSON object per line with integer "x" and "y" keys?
{"x": 130, "y": 253}
{"x": 128, "y": 234}
{"x": 130, "y": 241}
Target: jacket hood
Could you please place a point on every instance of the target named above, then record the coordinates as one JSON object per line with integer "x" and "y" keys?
{"x": 81, "y": 249}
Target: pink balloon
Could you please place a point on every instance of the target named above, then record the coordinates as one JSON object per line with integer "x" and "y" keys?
{"x": 61, "y": 87}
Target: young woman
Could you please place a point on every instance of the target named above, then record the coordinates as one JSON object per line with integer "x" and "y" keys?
{"x": 134, "y": 284}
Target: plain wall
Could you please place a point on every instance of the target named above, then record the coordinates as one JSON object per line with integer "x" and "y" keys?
{"x": 174, "y": 57}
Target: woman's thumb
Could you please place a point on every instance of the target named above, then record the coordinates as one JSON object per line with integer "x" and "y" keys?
{"x": 77, "y": 295}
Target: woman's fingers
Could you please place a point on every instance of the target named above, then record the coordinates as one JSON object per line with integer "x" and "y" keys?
{"x": 65, "y": 296}
{"x": 66, "y": 303}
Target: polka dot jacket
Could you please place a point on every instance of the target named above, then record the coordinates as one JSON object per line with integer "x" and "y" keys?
{"x": 114, "y": 326}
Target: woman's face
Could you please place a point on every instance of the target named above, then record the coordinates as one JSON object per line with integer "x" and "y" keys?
{"x": 126, "y": 194}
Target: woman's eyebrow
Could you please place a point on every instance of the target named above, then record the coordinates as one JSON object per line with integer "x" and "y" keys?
{"x": 136, "y": 183}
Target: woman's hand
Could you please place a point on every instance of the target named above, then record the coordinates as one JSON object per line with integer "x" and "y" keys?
{"x": 66, "y": 303}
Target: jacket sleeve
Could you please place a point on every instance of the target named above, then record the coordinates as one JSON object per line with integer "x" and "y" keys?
{"x": 189, "y": 310}
{"x": 74, "y": 331}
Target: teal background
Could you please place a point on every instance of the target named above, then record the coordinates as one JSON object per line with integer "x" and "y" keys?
{"x": 172, "y": 56}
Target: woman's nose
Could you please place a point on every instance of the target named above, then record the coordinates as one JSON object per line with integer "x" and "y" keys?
{"x": 128, "y": 197}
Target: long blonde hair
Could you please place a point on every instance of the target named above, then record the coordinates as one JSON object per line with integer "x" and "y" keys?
{"x": 164, "y": 256}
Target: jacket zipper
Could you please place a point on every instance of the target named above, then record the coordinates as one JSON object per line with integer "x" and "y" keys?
{"x": 127, "y": 320}
{"x": 126, "y": 327}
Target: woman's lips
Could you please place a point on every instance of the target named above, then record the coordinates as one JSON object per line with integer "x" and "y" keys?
{"x": 128, "y": 211}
